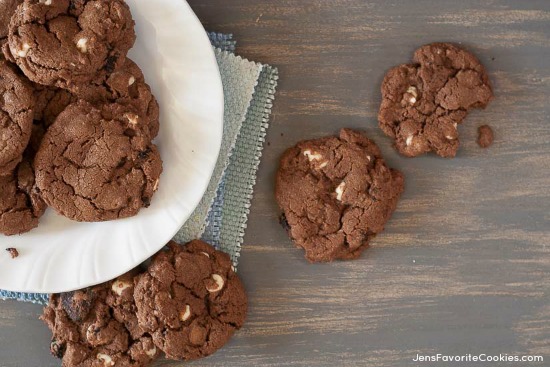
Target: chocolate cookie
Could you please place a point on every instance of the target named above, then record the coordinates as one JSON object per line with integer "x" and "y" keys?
{"x": 7, "y": 9}
{"x": 121, "y": 301}
{"x": 16, "y": 103}
{"x": 485, "y": 136}
{"x": 336, "y": 194}
{"x": 97, "y": 164}
{"x": 127, "y": 87}
{"x": 86, "y": 334}
{"x": 190, "y": 300}
{"x": 423, "y": 103}
{"x": 66, "y": 41}
{"x": 21, "y": 205}
{"x": 50, "y": 102}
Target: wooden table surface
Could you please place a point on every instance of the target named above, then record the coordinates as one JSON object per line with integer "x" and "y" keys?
{"x": 464, "y": 264}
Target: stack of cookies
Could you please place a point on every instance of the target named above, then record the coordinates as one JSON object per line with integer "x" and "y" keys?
{"x": 187, "y": 304}
{"x": 77, "y": 118}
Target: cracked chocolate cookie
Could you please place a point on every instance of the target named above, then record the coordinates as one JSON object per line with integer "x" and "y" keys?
{"x": 97, "y": 164}
{"x": 21, "y": 205}
{"x": 336, "y": 194}
{"x": 49, "y": 103}
{"x": 190, "y": 300}
{"x": 86, "y": 333}
{"x": 127, "y": 87}
{"x": 16, "y": 103}
{"x": 423, "y": 103}
{"x": 66, "y": 41}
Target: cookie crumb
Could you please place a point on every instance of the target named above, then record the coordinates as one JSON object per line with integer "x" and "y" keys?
{"x": 13, "y": 252}
{"x": 486, "y": 136}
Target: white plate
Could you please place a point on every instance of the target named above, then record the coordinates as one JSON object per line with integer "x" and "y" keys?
{"x": 179, "y": 63}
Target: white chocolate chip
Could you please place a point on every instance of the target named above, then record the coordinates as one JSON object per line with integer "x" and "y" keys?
{"x": 369, "y": 158}
{"x": 323, "y": 164}
{"x": 186, "y": 314}
{"x": 151, "y": 352}
{"x": 119, "y": 286}
{"x": 46, "y": 2}
{"x": 205, "y": 254}
{"x": 24, "y": 50}
{"x": 312, "y": 156}
{"x": 131, "y": 81}
{"x": 233, "y": 268}
{"x": 414, "y": 94}
{"x": 219, "y": 284}
{"x": 156, "y": 186}
{"x": 90, "y": 331}
{"x": 340, "y": 191}
{"x": 452, "y": 137}
{"x": 132, "y": 118}
{"x": 107, "y": 361}
{"x": 409, "y": 140}
{"x": 82, "y": 45}
{"x": 412, "y": 90}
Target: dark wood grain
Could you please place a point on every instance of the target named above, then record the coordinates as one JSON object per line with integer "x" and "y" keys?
{"x": 463, "y": 266}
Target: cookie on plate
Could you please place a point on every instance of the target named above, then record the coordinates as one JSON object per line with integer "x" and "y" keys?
{"x": 16, "y": 103}
{"x": 21, "y": 205}
{"x": 85, "y": 332}
{"x": 423, "y": 103}
{"x": 190, "y": 300}
{"x": 97, "y": 164}
{"x": 64, "y": 41}
{"x": 336, "y": 194}
{"x": 126, "y": 87}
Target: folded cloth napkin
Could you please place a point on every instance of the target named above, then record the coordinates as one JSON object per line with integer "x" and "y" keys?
{"x": 221, "y": 216}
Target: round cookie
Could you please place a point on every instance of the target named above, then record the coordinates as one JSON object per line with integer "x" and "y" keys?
{"x": 97, "y": 164}
{"x": 62, "y": 42}
{"x": 190, "y": 300}
{"x": 336, "y": 194}
{"x": 21, "y": 205}
{"x": 127, "y": 87}
{"x": 16, "y": 103}
{"x": 86, "y": 334}
{"x": 423, "y": 103}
